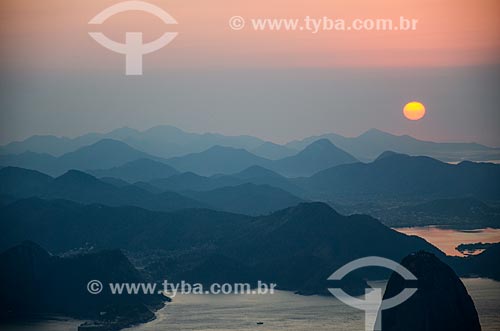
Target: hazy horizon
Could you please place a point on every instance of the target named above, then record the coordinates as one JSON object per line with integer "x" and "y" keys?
{"x": 278, "y": 86}
{"x": 232, "y": 135}
{"x": 275, "y": 105}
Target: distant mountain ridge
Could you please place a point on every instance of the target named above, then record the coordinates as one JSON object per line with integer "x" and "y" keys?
{"x": 257, "y": 175}
{"x": 81, "y": 187}
{"x": 217, "y": 160}
{"x": 168, "y": 141}
{"x": 318, "y": 156}
{"x": 112, "y": 158}
{"x": 248, "y": 199}
{"x": 399, "y": 176}
{"x": 104, "y": 153}
{"x": 163, "y": 141}
{"x": 137, "y": 171}
{"x": 369, "y": 145}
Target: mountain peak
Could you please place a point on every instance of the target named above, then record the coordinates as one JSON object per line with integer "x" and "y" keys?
{"x": 375, "y": 133}
{"x": 324, "y": 147}
{"x": 389, "y": 154}
{"x": 75, "y": 176}
{"x": 108, "y": 142}
{"x": 320, "y": 143}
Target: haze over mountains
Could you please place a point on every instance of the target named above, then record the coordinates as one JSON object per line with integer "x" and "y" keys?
{"x": 400, "y": 176}
{"x": 217, "y": 212}
{"x": 372, "y": 143}
{"x": 114, "y": 158}
{"x": 81, "y": 187}
{"x": 105, "y": 153}
{"x": 328, "y": 174}
{"x": 167, "y": 141}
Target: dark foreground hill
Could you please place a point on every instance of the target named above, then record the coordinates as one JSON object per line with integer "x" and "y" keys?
{"x": 441, "y": 302}
{"x": 34, "y": 282}
{"x": 297, "y": 248}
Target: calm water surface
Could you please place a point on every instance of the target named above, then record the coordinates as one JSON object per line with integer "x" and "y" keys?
{"x": 447, "y": 240}
{"x": 279, "y": 311}
{"x": 287, "y": 311}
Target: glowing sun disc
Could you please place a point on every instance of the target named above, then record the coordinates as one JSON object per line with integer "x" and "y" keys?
{"x": 414, "y": 110}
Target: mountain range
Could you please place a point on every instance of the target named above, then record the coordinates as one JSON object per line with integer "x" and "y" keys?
{"x": 168, "y": 141}
{"x": 390, "y": 178}
{"x": 140, "y": 170}
{"x": 369, "y": 145}
{"x": 81, "y": 187}
{"x": 103, "y": 154}
{"x": 112, "y": 158}
{"x": 401, "y": 177}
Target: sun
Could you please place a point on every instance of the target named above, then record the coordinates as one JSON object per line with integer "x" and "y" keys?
{"x": 414, "y": 110}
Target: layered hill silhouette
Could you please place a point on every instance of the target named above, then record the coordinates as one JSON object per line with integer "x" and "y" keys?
{"x": 103, "y": 154}
{"x": 367, "y": 146}
{"x": 217, "y": 160}
{"x": 297, "y": 247}
{"x": 249, "y": 199}
{"x": 82, "y": 187}
{"x": 164, "y": 141}
{"x": 112, "y": 158}
{"x": 399, "y": 176}
{"x": 141, "y": 170}
{"x": 273, "y": 151}
{"x": 319, "y": 155}
{"x": 255, "y": 174}
{"x": 168, "y": 141}
{"x": 246, "y": 198}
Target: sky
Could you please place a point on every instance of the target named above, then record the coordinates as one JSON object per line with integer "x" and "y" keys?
{"x": 279, "y": 86}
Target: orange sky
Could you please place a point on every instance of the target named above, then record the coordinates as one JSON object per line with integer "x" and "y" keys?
{"x": 52, "y": 34}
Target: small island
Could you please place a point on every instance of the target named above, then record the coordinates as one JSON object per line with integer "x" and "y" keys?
{"x": 473, "y": 249}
